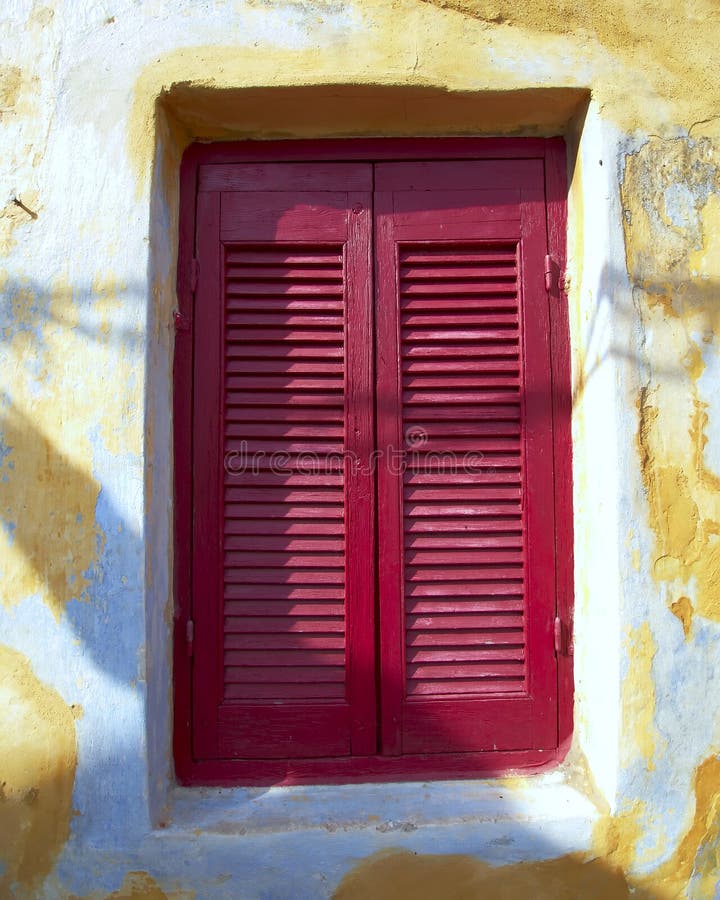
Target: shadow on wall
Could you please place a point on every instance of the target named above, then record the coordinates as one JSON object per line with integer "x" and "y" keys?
{"x": 394, "y": 874}
{"x": 78, "y": 548}
{"x": 46, "y": 499}
{"x": 61, "y": 511}
{"x": 350, "y": 110}
{"x": 675, "y": 296}
{"x": 37, "y": 772}
{"x": 70, "y": 543}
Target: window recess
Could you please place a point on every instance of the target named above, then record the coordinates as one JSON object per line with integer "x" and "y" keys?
{"x": 370, "y": 539}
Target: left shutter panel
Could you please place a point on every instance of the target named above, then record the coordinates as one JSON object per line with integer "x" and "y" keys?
{"x": 282, "y": 587}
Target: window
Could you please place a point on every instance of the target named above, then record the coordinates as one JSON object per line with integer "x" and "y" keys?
{"x": 372, "y": 462}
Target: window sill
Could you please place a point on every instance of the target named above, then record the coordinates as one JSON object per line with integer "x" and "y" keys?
{"x": 543, "y": 804}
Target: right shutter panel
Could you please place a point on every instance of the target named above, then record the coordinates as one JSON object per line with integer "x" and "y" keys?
{"x": 467, "y": 610}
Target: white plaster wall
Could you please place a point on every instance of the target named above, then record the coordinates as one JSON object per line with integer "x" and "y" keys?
{"x": 109, "y": 652}
{"x": 599, "y": 325}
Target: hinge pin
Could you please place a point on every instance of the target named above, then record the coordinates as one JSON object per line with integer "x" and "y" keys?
{"x": 562, "y": 637}
{"x": 560, "y": 634}
{"x": 549, "y": 268}
{"x": 182, "y": 323}
{"x": 189, "y": 636}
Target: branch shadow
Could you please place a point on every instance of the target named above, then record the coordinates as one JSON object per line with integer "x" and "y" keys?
{"x": 52, "y": 495}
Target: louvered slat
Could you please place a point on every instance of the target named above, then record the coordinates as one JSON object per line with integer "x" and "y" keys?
{"x": 284, "y": 530}
{"x": 466, "y": 593}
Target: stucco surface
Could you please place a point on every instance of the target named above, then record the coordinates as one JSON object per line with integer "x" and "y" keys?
{"x": 37, "y": 770}
{"x": 97, "y": 102}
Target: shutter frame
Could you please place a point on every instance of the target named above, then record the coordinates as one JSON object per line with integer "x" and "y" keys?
{"x": 191, "y": 770}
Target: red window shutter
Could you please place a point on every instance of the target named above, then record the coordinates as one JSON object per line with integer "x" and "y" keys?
{"x": 283, "y": 526}
{"x": 467, "y": 582}
{"x": 309, "y": 408}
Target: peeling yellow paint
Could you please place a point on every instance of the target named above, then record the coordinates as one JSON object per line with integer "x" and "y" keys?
{"x": 19, "y": 88}
{"x": 511, "y": 76}
{"x": 671, "y": 213}
{"x": 506, "y": 46}
{"x": 139, "y": 886}
{"x": 12, "y": 216}
{"x": 677, "y": 516}
{"x": 671, "y": 217}
{"x": 693, "y": 362}
{"x": 638, "y": 697}
{"x": 661, "y": 41}
{"x": 683, "y": 609}
{"x": 11, "y": 79}
{"x": 603, "y": 873}
{"x": 687, "y": 542}
{"x": 142, "y": 886}
{"x": 395, "y": 874}
{"x": 52, "y": 538}
{"x": 697, "y": 853}
{"x": 37, "y": 773}
{"x": 704, "y": 261}
{"x": 615, "y": 837}
{"x": 50, "y": 428}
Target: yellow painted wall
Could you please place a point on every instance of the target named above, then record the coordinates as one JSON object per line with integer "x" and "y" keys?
{"x": 96, "y": 105}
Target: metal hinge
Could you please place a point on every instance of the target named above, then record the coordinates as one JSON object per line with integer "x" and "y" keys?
{"x": 549, "y": 270}
{"x": 189, "y": 636}
{"x": 194, "y": 271}
{"x": 554, "y": 278}
{"x": 181, "y": 322}
{"x": 563, "y": 639}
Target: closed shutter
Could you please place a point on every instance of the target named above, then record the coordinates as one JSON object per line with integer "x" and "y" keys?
{"x": 283, "y": 583}
{"x": 466, "y": 520}
{"x": 372, "y": 493}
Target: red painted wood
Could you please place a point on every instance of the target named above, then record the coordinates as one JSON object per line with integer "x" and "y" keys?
{"x": 463, "y": 373}
{"x": 468, "y": 207}
{"x": 499, "y": 180}
{"x": 284, "y": 627}
{"x": 207, "y": 481}
{"x": 182, "y": 476}
{"x": 390, "y": 444}
{"x": 287, "y": 177}
{"x": 360, "y": 480}
{"x": 556, "y": 211}
{"x": 329, "y": 770}
{"x": 370, "y": 149}
{"x": 540, "y": 476}
{"x": 318, "y": 216}
{"x": 524, "y": 670}
{"x": 309, "y": 728}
